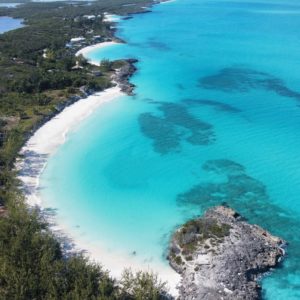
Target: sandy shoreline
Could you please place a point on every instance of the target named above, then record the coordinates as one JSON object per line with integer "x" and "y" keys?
{"x": 51, "y": 135}
{"x": 42, "y": 145}
{"x": 111, "y": 18}
{"x": 85, "y": 51}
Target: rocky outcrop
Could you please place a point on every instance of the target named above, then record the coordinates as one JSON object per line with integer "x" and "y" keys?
{"x": 220, "y": 256}
{"x": 121, "y": 76}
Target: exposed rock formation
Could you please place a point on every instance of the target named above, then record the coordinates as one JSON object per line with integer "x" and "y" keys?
{"x": 220, "y": 256}
{"x": 122, "y": 75}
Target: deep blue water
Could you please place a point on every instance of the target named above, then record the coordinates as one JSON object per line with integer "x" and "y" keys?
{"x": 8, "y": 23}
{"x": 216, "y": 118}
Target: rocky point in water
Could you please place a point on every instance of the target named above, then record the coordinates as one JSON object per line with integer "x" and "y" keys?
{"x": 220, "y": 256}
{"x": 123, "y": 74}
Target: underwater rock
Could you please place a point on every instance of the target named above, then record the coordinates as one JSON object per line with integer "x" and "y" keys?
{"x": 220, "y": 256}
{"x": 175, "y": 126}
{"x": 243, "y": 80}
{"x": 153, "y": 43}
{"x": 236, "y": 188}
{"x": 164, "y": 135}
{"x": 217, "y": 105}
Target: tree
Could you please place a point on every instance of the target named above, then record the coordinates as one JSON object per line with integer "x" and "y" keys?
{"x": 81, "y": 60}
{"x": 141, "y": 286}
{"x": 105, "y": 65}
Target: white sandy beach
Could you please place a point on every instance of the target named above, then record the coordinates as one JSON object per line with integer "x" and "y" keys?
{"x": 47, "y": 139}
{"x": 111, "y": 18}
{"x": 36, "y": 152}
{"x": 116, "y": 260}
{"x": 167, "y": 1}
{"x": 85, "y": 51}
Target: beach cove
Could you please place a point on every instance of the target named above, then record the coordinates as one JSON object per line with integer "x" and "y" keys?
{"x": 138, "y": 167}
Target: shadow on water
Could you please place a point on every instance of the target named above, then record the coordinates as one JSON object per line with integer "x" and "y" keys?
{"x": 250, "y": 198}
{"x": 243, "y": 80}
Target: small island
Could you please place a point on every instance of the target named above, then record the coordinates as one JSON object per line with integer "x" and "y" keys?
{"x": 221, "y": 256}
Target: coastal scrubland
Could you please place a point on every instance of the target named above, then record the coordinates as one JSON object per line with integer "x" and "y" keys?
{"x": 39, "y": 75}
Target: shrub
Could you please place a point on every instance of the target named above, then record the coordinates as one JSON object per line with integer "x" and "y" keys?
{"x": 141, "y": 286}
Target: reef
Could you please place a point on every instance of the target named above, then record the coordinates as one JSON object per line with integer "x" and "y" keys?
{"x": 243, "y": 80}
{"x": 153, "y": 43}
{"x": 234, "y": 186}
{"x": 221, "y": 256}
{"x": 175, "y": 126}
{"x": 217, "y": 105}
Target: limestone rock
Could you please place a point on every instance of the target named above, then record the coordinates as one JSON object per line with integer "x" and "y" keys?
{"x": 220, "y": 256}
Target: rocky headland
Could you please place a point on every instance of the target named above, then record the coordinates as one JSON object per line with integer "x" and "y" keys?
{"x": 122, "y": 75}
{"x": 221, "y": 256}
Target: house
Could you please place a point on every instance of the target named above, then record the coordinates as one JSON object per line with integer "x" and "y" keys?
{"x": 97, "y": 38}
{"x": 77, "y": 40}
{"x": 89, "y": 17}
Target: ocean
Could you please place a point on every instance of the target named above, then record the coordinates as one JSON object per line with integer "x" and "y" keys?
{"x": 215, "y": 118}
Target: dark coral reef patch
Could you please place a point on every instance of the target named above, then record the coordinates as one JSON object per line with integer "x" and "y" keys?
{"x": 238, "y": 187}
{"x": 164, "y": 135}
{"x": 217, "y": 105}
{"x": 249, "y": 196}
{"x": 175, "y": 126}
{"x": 243, "y": 80}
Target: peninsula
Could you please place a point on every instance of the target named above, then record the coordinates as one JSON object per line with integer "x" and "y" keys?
{"x": 220, "y": 256}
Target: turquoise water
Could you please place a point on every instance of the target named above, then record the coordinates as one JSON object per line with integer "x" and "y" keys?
{"x": 215, "y": 118}
{"x": 8, "y": 23}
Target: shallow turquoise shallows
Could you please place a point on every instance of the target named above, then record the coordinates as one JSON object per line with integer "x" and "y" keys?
{"x": 216, "y": 118}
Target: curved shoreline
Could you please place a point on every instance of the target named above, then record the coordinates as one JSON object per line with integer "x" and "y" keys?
{"x": 85, "y": 51}
{"x": 46, "y": 140}
{"x": 36, "y": 152}
{"x": 43, "y": 144}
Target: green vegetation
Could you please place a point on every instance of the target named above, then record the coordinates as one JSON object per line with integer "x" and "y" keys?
{"x": 38, "y": 72}
{"x": 178, "y": 260}
{"x": 206, "y": 228}
{"x": 32, "y": 265}
{"x": 140, "y": 286}
{"x": 38, "y": 68}
{"x": 38, "y": 76}
{"x": 198, "y": 232}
